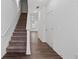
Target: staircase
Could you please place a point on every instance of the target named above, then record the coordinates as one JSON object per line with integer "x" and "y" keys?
{"x": 18, "y": 39}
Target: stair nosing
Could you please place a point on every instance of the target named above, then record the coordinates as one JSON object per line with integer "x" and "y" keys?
{"x": 19, "y": 32}
{"x": 18, "y": 36}
{"x": 15, "y": 47}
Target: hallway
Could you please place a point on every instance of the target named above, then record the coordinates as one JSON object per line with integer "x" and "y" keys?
{"x": 39, "y": 49}
{"x": 48, "y": 31}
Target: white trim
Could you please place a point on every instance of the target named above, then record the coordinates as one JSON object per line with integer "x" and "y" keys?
{"x": 28, "y": 50}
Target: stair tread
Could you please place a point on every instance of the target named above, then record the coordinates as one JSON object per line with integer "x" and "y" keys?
{"x": 17, "y": 43}
{"x": 16, "y": 50}
{"x": 20, "y": 30}
{"x": 20, "y": 26}
{"x": 16, "y": 47}
{"x": 18, "y": 40}
{"x": 19, "y": 34}
{"x": 14, "y": 54}
{"x": 18, "y": 37}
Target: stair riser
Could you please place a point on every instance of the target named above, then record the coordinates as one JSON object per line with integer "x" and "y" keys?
{"x": 18, "y": 38}
{"x": 20, "y": 30}
{"x": 19, "y": 34}
{"x": 18, "y": 41}
{"x": 21, "y": 25}
{"x": 22, "y": 22}
{"x": 16, "y": 44}
{"x": 14, "y": 54}
{"x": 16, "y": 50}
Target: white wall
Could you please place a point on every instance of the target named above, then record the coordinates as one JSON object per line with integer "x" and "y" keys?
{"x": 42, "y": 25}
{"x": 61, "y": 27}
{"x": 57, "y": 25}
{"x": 10, "y": 15}
{"x": 24, "y": 7}
{"x": 32, "y": 4}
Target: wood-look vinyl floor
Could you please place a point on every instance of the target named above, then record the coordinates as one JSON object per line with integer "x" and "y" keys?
{"x": 39, "y": 50}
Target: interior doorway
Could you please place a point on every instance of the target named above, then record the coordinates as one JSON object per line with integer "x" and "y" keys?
{"x": 24, "y": 6}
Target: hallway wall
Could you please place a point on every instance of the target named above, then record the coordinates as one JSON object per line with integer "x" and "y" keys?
{"x": 32, "y": 4}
{"x": 32, "y": 9}
{"x": 61, "y": 27}
{"x": 10, "y": 15}
{"x": 57, "y": 25}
